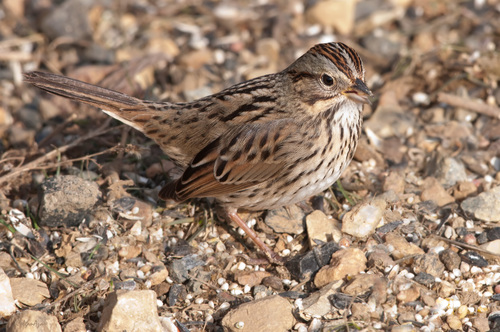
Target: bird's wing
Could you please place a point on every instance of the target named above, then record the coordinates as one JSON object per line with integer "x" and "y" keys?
{"x": 240, "y": 159}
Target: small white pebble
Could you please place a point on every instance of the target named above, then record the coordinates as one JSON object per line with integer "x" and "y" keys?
{"x": 236, "y": 292}
{"x": 225, "y": 236}
{"x": 198, "y": 300}
{"x": 294, "y": 283}
{"x": 476, "y": 269}
{"x": 169, "y": 280}
{"x": 410, "y": 200}
{"x": 189, "y": 297}
{"x": 289, "y": 238}
{"x": 209, "y": 318}
{"x": 70, "y": 269}
{"x": 148, "y": 284}
{"x": 464, "y": 267}
{"x": 241, "y": 266}
{"x": 488, "y": 178}
{"x": 419, "y": 318}
{"x": 469, "y": 224}
{"x": 410, "y": 275}
{"x": 300, "y": 327}
{"x": 298, "y": 304}
{"x": 140, "y": 274}
{"x": 241, "y": 232}
{"x": 221, "y": 281}
{"x": 286, "y": 252}
{"x": 224, "y": 306}
{"x": 180, "y": 234}
{"x": 211, "y": 304}
{"x": 247, "y": 289}
{"x": 30, "y": 275}
{"x": 457, "y": 273}
{"x": 224, "y": 286}
{"x": 377, "y": 325}
{"x": 487, "y": 294}
{"x": 239, "y": 325}
{"x": 252, "y": 222}
{"x": 315, "y": 324}
{"x": 135, "y": 210}
{"x": 421, "y": 98}
{"x": 159, "y": 303}
{"x": 286, "y": 282}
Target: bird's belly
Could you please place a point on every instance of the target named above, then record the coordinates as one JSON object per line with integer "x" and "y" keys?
{"x": 262, "y": 198}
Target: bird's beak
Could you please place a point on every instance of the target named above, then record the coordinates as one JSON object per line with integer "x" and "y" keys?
{"x": 358, "y": 92}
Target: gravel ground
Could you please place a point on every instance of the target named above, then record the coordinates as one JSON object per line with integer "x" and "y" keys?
{"x": 407, "y": 241}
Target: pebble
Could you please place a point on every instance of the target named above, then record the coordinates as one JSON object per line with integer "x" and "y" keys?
{"x": 130, "y": 311}
{"x": 450, "y": 259}
{"x": 67, "y": 200}
{"x": 484, "y": 206}
{"x": 349, "y": 261}
{"x": 362, "y": 220}
{"x": 432, "y": 190}
{"x": 401, "y": 247}
{"x": 7, "y": 302}
{"x": 318, "y": 303}
{"x": 28, "y": 291}
{"x": 288, "y": 220}
{"x": 320, "y": 227}
{"x": 33, "y": 321}
{"x": 269, "y": 314}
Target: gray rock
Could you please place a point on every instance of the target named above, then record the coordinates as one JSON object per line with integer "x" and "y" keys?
{"x": 447, "y": 170}
{"x": 7, "y": 303}
{"x": 320, "y": 227}
{"x": 179, "y": 268}
{"x": 67, "y": 200}
{"x": 272, "y": 313}
{"x": 68, "y": 20}
{"x": 132, "y": 311}
{"x": 286, "y": 220}
{"x": 29, "y": 291}
{"x": 362, "y": 220}
{"x": 33, "y": 321}
{"x": 318, "y": 303}
{"x": 485, "y": 206}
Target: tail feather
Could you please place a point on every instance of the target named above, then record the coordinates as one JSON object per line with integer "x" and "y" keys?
{"x": 81, "y": 91}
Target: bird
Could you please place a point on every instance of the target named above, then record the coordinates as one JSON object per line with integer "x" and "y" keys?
{"x": 265, "y": 143}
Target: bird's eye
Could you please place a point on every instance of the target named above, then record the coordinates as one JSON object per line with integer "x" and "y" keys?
{"x": 327, "y": 80}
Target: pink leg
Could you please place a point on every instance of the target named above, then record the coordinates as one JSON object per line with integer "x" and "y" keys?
{"x": 271, "y": 255}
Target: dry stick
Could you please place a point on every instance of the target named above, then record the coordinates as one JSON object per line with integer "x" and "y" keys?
{"x": 53, "y": 154}
{"x": 73, "y": 293}
{"x": 466, "y": 246}
{"x": 469, "y": 104}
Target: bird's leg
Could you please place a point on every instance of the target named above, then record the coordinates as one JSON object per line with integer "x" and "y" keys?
{"x": 271, "y": 255}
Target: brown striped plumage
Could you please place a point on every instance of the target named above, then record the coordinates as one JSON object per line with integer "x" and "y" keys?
{"x": 264, "y": 143}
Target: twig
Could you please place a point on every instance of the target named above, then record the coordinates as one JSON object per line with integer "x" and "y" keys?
{"x": 71, "y": 294}
{"x": 466, "y": 246}
{"x": 469, "y": 104}
{"x": 52, "y": 154}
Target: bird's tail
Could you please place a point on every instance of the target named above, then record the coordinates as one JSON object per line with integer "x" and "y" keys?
{"x": 125, "y": 108}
